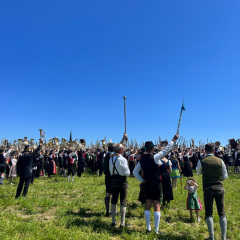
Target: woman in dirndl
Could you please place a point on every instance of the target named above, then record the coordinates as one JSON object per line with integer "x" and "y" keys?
{"x": 13, "y": 168}
{"x": 175, "y": 173}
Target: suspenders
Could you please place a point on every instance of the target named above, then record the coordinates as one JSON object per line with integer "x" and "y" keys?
{"x": 114, "y": 167}
{"x": 116, "y": 176}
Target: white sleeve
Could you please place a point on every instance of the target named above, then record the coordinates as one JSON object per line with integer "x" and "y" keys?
{"x": 136, "y": 171}
{"x": 124, "y": 165}
{"x": 164, "y": 152}
{"x": 224, "y": 171}
{"x": 7, "y": 153}
{"x": 199, "y": 168}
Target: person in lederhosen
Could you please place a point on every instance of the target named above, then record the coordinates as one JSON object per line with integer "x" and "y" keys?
{"x": 119, "y": 170}
{"x": 150, "y": 163}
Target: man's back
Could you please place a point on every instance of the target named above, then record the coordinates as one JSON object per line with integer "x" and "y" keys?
{"x": 211, "y": 170}
{"x": 150, "y": 168}
{"x": 25, "y": 165}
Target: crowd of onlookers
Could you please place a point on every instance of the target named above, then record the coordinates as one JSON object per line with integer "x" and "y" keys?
{"x": 71, "y": 162}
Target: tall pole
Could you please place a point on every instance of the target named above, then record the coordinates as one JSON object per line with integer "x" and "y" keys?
{"x": 180, "y": 117}
{"x": 125, "y": 117}
{"x": 40, "y": 133}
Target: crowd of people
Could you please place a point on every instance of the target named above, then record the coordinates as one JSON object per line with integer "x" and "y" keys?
{"x": 156, "y": 167}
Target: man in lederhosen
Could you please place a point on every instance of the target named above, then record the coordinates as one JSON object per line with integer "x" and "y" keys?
{"x": 119, "y": 170}
{"x": 150, "y": 163}
{"x": 213, "y": 172}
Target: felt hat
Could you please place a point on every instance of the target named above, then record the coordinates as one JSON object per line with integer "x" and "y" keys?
{"x": 149, "y": 144}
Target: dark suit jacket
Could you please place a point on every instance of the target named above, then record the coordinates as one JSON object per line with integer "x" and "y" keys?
{"x": 25, "y": 163}
{"x": 2, "y": 163}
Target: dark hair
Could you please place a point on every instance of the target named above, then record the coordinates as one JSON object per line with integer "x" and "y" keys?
{"x": 209, "y": 148}
{"x": 148, "y": 150}
{"x": 110, "y": 148}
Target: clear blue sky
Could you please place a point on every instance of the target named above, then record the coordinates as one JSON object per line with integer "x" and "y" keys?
{"x": 66, "y": 65}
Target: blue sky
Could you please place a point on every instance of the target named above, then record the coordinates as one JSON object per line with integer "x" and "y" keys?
{"x": 66, "y": 65}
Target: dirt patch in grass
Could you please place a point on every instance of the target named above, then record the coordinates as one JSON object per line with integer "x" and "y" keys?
{"x": 42, "y": 216}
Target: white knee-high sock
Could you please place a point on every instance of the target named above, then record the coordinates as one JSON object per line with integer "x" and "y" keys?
{"x": 1, "y": 180}
{"x": 209, "y": 221}
{"x": 123, "y": 214}
{"x": 147, "y": 218}
{"x": 223, "y": 225}
{"x": 157, "y": 216}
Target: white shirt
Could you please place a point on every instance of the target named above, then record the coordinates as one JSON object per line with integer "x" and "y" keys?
{"x": 121, "y": 165}
{"x": 8, "y": 152}
{"x": 224, "y": 170}
{"x": 157, "y": 160}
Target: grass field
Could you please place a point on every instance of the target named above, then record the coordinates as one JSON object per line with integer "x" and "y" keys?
{"x": 57, "y": 209}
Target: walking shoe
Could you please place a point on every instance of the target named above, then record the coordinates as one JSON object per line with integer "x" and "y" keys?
{"x": 113, "y": 224}
{"x": 108, "y": 214}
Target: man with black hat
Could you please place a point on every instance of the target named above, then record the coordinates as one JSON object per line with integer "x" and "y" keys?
{"x": 213, "y": 172}
{"x": 25, "y": 167}
{"x": 150, "y": 163}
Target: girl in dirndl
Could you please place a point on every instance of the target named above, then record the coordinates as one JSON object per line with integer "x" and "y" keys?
{"x": 193, "y": 202}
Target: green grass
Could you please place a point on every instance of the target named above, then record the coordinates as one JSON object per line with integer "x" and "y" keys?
{"x": 57, "y": 209}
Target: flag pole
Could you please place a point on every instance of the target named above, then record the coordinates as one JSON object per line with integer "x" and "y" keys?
{"x": 182, "y": 108}
{"x": 125, "y": 117}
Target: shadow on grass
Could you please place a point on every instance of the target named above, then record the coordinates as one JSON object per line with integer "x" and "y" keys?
{"x": 83, "y": 212}
{"x": 133, "y": 206}
{"x": 172, "y": 236}
{"x": 83, "y": 219}
{"x": 99, "y": 226}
